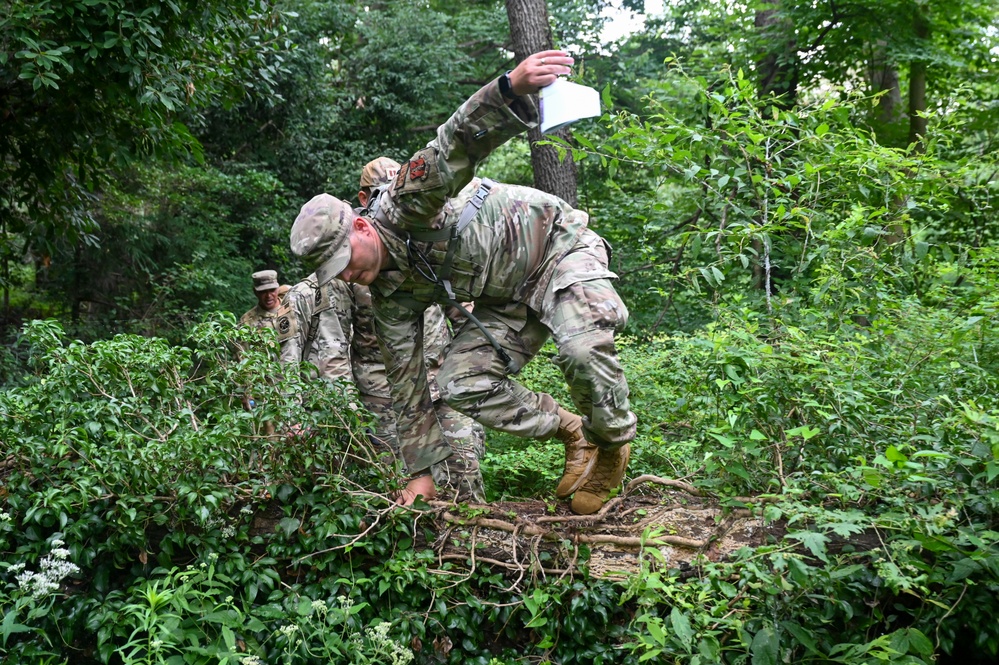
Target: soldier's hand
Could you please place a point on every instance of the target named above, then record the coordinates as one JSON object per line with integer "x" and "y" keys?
{"x": 538, "y": 70}
{"x": 424, "y": 485}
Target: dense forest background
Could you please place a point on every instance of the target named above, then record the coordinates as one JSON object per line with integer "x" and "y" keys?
{"x": 802, "y": 199}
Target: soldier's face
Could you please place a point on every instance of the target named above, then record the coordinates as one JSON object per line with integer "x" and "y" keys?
{"x": 268, "y": 299}
{"x": 367, "y": 255}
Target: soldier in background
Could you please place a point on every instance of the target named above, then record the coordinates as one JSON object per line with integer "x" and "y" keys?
{"x": 527, "y": 260}
{"x": 315, "y": 327}
{"x": 264, "y": 313}
{"x": 465, "y": 436}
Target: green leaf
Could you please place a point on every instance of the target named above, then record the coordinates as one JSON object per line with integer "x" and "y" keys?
{"x": 764, "y": 647}
{"x": 813, "y": 541}
{"x": 724, "y": 440}
{"x": 919, "y": 642}
{"x": 9, "y": 626}
{"x": 656, "y": 631}
{"x": 804, "y": 637}
{"x": 894, "y": 455}
{"x": 229, "y": 638}
{"x": 537, "y": 621}
{"x": 681, "y": 627}
{"x": 289, "y": 525}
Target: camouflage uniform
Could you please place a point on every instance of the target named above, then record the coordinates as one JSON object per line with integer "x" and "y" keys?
{"x": 465, "y": 436}
{"x": 314, "y": 326}
{"x": 259, "y": 317}
{"x": 528, "y": 262}
{"x": 336, "y": 326}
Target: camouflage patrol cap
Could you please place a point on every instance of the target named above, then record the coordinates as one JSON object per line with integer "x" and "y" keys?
{"x": 379, "y": 172}
{"x": 264, "y": 280}
{"x": 320, "y": 235}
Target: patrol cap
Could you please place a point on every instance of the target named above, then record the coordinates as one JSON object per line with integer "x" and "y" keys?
{"x": 379, "y": 172}
{"x": 320, "y": 235}
{"x": 264, "y": 280}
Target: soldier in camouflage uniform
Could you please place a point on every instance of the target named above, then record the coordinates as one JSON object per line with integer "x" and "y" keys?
{"x": 324, "y": 327}
{"x": 264, "y": 313}
{"x": 527, "y": 260}
{"x": 466, "y": 436}
{"x": 314, "y": 326}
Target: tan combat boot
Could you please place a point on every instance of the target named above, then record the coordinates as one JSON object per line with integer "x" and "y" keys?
{"x": 580, "y": 454}
{"x": 607, "y": 474}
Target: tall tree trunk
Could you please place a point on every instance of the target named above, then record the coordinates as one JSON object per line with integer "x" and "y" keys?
{"x": 777, "y": 66}
{"x": 530, "y": 33}
{"x": 917, "y": 85}
{"x": 883, "y": 77}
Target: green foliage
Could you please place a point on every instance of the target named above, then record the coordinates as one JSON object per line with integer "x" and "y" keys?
{"x": 732, "y": 200}
{"x": 92, "y": 85}
{"x": 813, "y": 313}
{"x": 174, "y": 245}
{"x": 364, "y": 81}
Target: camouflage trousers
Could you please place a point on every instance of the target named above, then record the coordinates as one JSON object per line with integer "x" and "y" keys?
{"x": 582, "y": 318}
{"x": 459, "y": 473}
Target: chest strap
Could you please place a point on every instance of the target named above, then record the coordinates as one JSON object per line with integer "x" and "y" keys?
{"x": 443, "y": 291}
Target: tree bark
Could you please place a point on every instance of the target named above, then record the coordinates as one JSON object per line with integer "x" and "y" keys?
{"x": 917, "y": 85}
{"x": 883, "y": 77}
{"x": 530, "y": 33}
{"x": 778, "y": 64}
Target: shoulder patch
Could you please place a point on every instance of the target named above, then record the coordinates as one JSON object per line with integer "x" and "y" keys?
{"x": 419, "y": 173}
{"x": 286, "y": 327}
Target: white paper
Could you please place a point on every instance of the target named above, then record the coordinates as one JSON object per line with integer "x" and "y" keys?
{"x": 563, "y": 103}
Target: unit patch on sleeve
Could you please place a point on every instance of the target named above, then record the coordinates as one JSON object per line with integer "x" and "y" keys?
{"x": 419, "y": 173}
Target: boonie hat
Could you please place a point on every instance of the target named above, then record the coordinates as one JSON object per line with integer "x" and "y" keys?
{"x": 320, "y": 234}
{"x": 264, "y": 280}
{"x": 379, "y": 172}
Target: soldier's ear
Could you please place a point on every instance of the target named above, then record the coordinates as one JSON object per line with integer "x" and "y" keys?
{"x": 362, "y": 225}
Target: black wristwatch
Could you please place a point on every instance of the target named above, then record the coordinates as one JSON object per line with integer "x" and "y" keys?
{"x": 506, "y": 87}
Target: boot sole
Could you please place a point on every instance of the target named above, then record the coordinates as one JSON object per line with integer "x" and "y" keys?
{"x": 579, "y": 481}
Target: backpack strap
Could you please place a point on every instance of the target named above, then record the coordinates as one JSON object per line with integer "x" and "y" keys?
{"x": 443, "y": 291}
{"x": 323, "y": 300}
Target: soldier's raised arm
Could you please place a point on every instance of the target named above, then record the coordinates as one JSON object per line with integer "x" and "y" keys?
{"x": 498, "y": 111}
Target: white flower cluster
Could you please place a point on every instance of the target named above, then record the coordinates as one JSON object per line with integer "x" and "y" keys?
{"x": 53, "y": 568}
{"x": 379, "y": 636}
{"x": 250, "y": 660}
{"x": 319, "y": 606}
{"x": 4, "y": 517}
